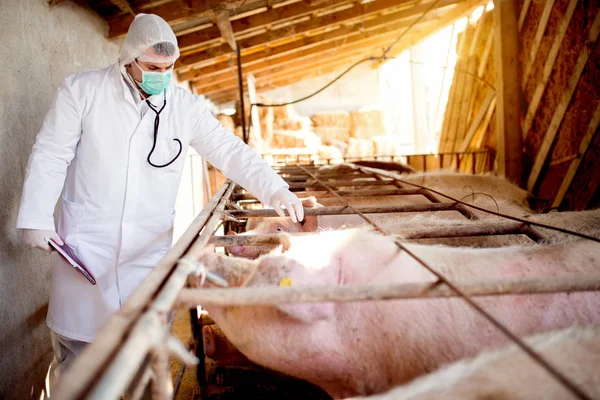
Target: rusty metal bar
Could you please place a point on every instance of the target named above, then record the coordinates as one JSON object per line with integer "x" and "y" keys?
{"x": 344, "y": 210}
{"x": 302, "y": 178}
{"x": 299, "y": 185}
{"x": 345, "y": 193}
{"x": 83, "y": 377}
{"x": 441, "y": 279}
{"x": 429, "y": 232}
{"x": 462, "y": 203}
{"x": 261, "y": 296}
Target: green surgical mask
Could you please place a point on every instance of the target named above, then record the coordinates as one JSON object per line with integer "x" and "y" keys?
{"x": 154, "y": 82}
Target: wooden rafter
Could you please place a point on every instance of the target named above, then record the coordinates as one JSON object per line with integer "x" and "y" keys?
{"x": 548, "y": 67}
{"x": 290, "y": 77}
{"x": 221, "y": 18}
{"x": 537, "y": 40}
{"x": 423, "y": 31}
{"x": 256, "y": 22}
{"x": 418, "y": 33}
{"x": 278, "y": 74}
{"x": 375, "y": 27}
{"x": 124, "y": 6}
{"x": 315, "y": 24}
{"x": 574, "y": 166}
{"x": 285, "y": 69}
{"x": 368, "y": 46}
{"x": 170, "y": 11}
{"x": 561, "y": 108}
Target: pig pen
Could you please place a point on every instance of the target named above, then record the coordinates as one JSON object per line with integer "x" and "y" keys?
{"x": 133, "y": 349}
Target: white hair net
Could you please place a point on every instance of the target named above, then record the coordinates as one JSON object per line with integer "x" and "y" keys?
{"x": 149, "y": 39}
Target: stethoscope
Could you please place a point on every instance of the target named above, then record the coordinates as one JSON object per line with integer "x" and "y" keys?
{"x": 156, "y": 123}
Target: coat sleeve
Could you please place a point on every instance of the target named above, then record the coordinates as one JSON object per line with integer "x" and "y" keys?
{"x": 52, "y": 153}
{"x": 232, "y": 156}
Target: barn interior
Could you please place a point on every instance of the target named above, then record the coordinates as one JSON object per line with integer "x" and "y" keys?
{"x": 345, "y": 100}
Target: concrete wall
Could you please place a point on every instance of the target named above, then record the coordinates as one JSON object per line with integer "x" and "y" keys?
{"x": 41, "y": 44}
{"x": 360, "y": 87}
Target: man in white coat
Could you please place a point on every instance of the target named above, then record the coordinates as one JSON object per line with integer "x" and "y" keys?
{"x": 116, "y": 139}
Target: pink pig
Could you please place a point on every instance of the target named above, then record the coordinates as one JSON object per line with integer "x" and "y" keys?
{"x": 361, "y": 348}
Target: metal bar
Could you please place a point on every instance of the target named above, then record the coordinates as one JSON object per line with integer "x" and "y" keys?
{"x": 299, "y": 185}
{"x": 463, "y": 204}
{"x": 346, "y": 193}
{"x": 339, "y": 210}
{"x": 196, "y": 322}
{"x": 441, "y": 279}
{"x": 80, "y": 380}
{"x": 304, "y": 178}
{"x": 261, "y": 296}
{"x": 428, "y": 232}
{"x": 241, "y": 90}
{"x": 162, "y": 385}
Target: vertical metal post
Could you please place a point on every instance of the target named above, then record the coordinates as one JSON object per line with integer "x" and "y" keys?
{"x": 241, "y": 87}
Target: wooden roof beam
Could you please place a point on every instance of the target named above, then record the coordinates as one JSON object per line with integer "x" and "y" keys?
{"x": 280, "y": 81}
{"x": 366, "y": 49}
{"x": 221, "y": 18}
{"x": 420, "y": 32}
{"x": 461, "y": 10}
{"x": 171, "y": 12}
{"x": 293, "y": 75}
{"x": 508, "y": 85}
{"x": 124, "y": 6}
{"x": 303, "y": 47}
{"x": 363, "y": 42}
{"x": 271, "y": 38}
{"x": 383, "y": 28}
{"x": 303, "y": 43}
{"x": 255, "y": 22}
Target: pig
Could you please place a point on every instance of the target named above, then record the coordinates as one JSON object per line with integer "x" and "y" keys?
{"x": 507, "y": 198}
{"x": 363, "y": 348}
{"x": 510, "y": 374}
{"x": 584, "y": 222}
{"x": 276, "y": 225}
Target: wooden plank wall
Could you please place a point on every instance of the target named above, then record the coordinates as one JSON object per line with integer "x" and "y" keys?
{"x": 469, "y": 113}
{"x": 560, "y": 67}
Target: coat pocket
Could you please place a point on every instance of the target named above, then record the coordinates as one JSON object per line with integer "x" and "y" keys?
{"x": 70, "y": 219}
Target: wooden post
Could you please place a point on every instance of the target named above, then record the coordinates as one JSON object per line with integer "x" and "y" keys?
{"x": 254, "y": 116}
{"x": 508, "y": 104}
{"x": 221, "y": 18}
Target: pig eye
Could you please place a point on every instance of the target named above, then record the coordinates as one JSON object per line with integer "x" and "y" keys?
{"x": 278, "y": 230}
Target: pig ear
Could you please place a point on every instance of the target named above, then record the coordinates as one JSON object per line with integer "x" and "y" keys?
{"x": 308, "y": 312}
{"x": 309, "y": 223}
{"x": 208, "y": 249}
{"x": 309, "y": 201}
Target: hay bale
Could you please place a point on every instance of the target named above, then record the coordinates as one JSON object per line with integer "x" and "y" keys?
{"x": 368, "y": 117}
{"x": 337, "y": 119}
{"x": 386, "y": 145}
{"x": 226, "y": 121}
{"x": 367, "y": 123}
{"x": 359, "y": 148}
{"x": 331, "y": 153}
{"x": 283, "y": 139}
{"x": 330, "y": 133}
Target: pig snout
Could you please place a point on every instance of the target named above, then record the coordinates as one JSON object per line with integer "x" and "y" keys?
{"x": 234, "y": 250}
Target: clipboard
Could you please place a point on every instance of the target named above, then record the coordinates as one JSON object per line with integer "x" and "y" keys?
{"x": 65, "y": 252}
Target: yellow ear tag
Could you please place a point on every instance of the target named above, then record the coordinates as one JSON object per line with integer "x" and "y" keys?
{"x": 285, "y": 281}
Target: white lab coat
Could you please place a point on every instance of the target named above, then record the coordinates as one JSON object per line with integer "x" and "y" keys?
{"x": 117, "y": 210}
